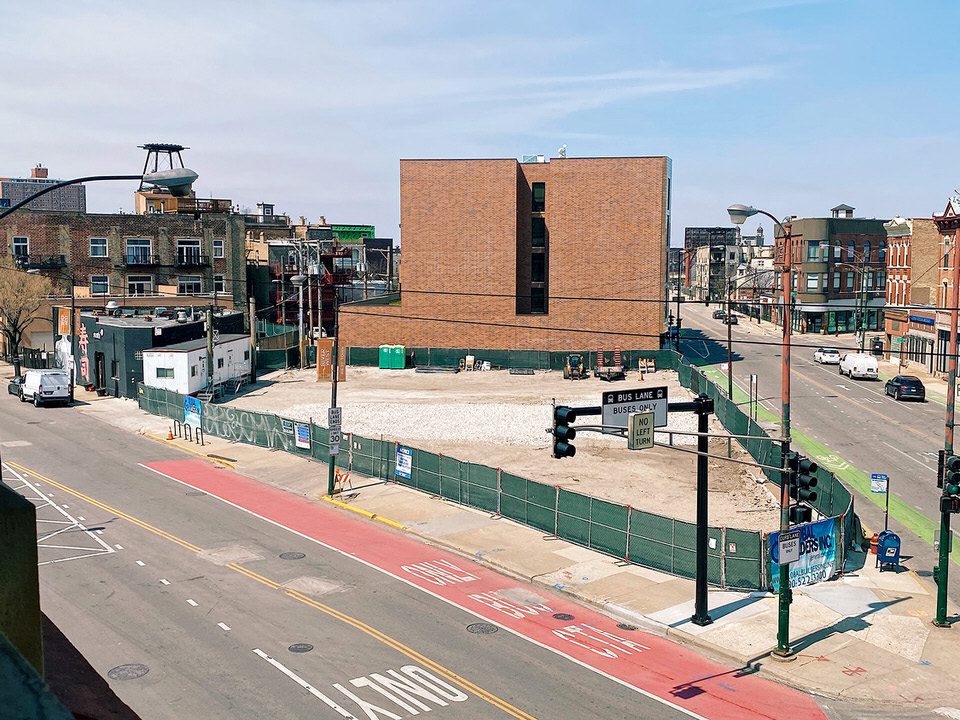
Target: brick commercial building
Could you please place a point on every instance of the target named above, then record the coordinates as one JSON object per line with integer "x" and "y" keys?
{"x": 144, "y": 261}
{"x": 72, "y": 198}
{"x": 499, "y": 254}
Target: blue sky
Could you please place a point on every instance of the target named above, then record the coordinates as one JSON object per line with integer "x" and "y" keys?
{"x": 791, "y": 105}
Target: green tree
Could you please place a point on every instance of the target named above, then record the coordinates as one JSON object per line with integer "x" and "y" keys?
{"x": 21, "y": 297}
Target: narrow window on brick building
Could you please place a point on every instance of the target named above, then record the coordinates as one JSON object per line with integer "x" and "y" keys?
{"x": 218, "y": 248}
{"x": 189, "y": 285}
{"x": 538, "y": 232}
{"x": 21, "y": 247}
{"x": 836, "y": 281}
{"x": 99, "y": 284}
{"x": 219, "y": 283}
{"x": 539, "y": 197}
{"x": 538, "y": 301}
{"x": 98, "y": 247}
{"x": 538, "y": 268}
{"x": 139, "y": 284}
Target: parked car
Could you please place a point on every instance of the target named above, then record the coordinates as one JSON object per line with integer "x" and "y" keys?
{"x": 905, "y": 386}
{"x": 43, "y": 387}
{"x": 858, "y": 366}
{"x": 827, "y": 356}
{"x": 14, "y": 386}
{"x": 719, "y": 314}
{"x": 731, "y": 320}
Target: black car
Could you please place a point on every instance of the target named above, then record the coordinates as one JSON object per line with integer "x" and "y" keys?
{"x": 905, "y": 386}
{"x": 15, "y": 385}
{"x": 719, "y": 314}
{"x": 731, "y": 320}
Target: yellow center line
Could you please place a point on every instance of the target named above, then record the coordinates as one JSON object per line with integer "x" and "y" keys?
{"x": 381, "y": 637}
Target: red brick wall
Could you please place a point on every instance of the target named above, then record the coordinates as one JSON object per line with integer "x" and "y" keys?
{"x": 462, "y": 222}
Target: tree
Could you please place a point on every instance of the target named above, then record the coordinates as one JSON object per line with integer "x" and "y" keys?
{"x": 21, "y": 297}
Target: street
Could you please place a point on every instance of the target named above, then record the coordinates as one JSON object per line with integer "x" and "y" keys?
{"x": 853, "y": 425}
{"x": 199, "y": 592}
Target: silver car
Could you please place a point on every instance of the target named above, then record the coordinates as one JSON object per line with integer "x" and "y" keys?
{"x": 827, "y": 356}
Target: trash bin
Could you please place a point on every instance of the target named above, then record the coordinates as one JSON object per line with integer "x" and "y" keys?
{"x": 888, "y": 549}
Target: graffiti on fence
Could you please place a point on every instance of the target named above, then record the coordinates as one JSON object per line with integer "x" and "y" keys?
{"x": 245, "y": 426}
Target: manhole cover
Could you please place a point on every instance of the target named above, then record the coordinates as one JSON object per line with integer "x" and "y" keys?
{"x": 300, "y": 648}
{"x": 563, "y": 616}
{"x": 196, "y": 493}
{"x": 132, "y": 671}
{"x": 625, "y": 626}
{"x": 482, "y": 628}
{"x": 292, "y": 556}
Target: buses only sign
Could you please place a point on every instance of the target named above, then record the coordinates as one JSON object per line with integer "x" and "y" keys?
{"x": 618, "y": 404}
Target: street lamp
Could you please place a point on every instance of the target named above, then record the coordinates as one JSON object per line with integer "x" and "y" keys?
{"x": 738, "y": 215}
{"x": 73, "y": 312}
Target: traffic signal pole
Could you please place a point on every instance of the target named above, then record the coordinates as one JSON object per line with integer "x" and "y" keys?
{"x": 943, "y": 560}
{"x": 783, "y": 649}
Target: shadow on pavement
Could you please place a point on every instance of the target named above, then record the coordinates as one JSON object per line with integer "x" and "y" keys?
{"x": 699, "y": 349}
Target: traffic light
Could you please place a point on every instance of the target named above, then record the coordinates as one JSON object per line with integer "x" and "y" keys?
{"x": 801, "y": 481}
{"x": 562, "y": 432}
{"x": 951, "y": 476}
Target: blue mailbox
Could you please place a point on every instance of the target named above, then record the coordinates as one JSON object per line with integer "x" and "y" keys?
{"x": 888, "y": 549}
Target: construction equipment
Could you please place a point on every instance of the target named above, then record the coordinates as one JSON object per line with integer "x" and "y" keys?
{"x": 575, "y": 369}
{"x": 606, "y": 372}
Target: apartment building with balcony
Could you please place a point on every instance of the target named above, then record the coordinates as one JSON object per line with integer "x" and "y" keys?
{"x": 72, "y": 198}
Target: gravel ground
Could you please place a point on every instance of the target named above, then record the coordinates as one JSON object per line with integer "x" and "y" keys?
{"x": 501, "y": 420}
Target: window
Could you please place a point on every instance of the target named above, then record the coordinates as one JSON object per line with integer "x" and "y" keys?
{"x": 850, "y": 249}
{"x": 193, "y": 371}
{"x": 881, "y": 279}
{"x": 219, "y": 283}
{"x": 246, "y": 354}
{"x": 189, "y": 285}
{"x": 538, "y": 268}
{"x": 813, "y": 250}
{"x": 21, "y": 246}
{"x": 836, "y": 251}
{"x": 538, "y": 232}
{"x": 882, "y": 251}
{"x": 538, "y": 301}
{"x": 164, "y": 373}
{"x": 219, "y": 362}
{"x": 139, "y": 284}
{"x": 813, "y": 282}
{"x": 850, "y": 281}
{"x": 870, "y": 279}
{"x": 138, "y": 251}
{"x": 98, "y": 247}
{"x": 836, "y": 281}
{"x": 866, "y": 250}
{"x": 539, "y": 197}
{"x": 218, "y": 248}
{"x": 99, "y": 284}
{"x": 188, "y": 251}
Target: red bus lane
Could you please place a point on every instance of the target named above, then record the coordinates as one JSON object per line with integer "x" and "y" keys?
{"x": 650, "y": 664}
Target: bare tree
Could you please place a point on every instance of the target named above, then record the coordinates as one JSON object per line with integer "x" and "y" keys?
{"x": 21, "y": 297}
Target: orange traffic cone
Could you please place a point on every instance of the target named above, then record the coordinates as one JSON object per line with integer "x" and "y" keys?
{"x": 169, "y": 434}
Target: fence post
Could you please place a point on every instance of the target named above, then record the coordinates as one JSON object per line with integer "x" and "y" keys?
{"x": 556, "y": 511}
{"x": 499, "y": 489}
{"x": 723, "y": 557}
{"x": 626, "y": 556}
{"x": 440, "y": 473}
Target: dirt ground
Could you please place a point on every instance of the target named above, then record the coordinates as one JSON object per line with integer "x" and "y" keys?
{"x": 502, "y": 420}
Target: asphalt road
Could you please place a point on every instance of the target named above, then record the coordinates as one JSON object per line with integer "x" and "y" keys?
{"x": 194, "y": 608}
{"x": 861, "y": 426}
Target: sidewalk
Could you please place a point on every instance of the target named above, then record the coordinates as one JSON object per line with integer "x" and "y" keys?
{"x": 866, "y": 637}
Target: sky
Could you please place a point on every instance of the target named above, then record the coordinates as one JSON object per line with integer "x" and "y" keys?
{"x": 793, "y": 106}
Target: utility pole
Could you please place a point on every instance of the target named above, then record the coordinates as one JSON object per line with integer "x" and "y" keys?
{"x": 676, "y": 345}
{"x": 730, "y": 288}
{"x": 210, "y": 349}
{"x": 704, "y": 407}
{"x": 783, "y": 648}
{"x": 942, "y": 571}
{"x": 73, "y": 336}
{"x": 334, "y": 371}
{"x": 253, "y": 339}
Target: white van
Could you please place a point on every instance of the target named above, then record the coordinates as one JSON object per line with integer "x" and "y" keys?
{"x": 858, "y": 365}
{"x": 45, "y": 386}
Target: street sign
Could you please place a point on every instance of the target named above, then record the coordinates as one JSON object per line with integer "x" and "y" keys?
{"x": 640, "y": 431}
{"x": 878, "y": 483}
{"x": 404, "y": 465}
{"x": 617, "y": 405}
{"x": 789, "y": 547}
{"x": 334, "y": 415}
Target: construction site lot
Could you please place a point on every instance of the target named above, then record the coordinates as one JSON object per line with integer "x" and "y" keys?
{"x": 502, "y": 420}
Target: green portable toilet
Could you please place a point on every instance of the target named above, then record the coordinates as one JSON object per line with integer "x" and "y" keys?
{"x": 399, "y": 357}
{"x": 386, "y": 356}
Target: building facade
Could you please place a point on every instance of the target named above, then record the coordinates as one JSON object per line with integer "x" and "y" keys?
{"x": 698, "y": 237}
{"x": 839, "y": 278}
{"x": 565, "y": 254}
{"x": 72, "y": 198}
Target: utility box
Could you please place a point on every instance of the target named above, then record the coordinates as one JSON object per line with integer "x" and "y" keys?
{"x": 398, "y": 357}
{"x": 386, "y": 357}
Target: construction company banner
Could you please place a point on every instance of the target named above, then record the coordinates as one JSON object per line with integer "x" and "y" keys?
{"x": 192, "y": 408}
{"x": 818, "y": 555}
{"x": 302, "y": 434}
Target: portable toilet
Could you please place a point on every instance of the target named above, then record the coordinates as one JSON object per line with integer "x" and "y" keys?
{"x": 399, "y": 357}
{"x": 386, "y": 356}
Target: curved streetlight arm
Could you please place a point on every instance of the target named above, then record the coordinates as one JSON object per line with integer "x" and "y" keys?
{"x": 777, "y": 222}
{"x": 65, "y": 183}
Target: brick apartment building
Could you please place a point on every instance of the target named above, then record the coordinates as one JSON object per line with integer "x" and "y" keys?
{"x": 72, "y": 198}
{"x": 499, "y": 254}
{"x": 168, "y": 260}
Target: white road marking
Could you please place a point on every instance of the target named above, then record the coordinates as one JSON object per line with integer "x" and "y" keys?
{"x": 839, "y": 385}
{"x": 65, "y": 506}
{"x": 81, "y": 518}
{"x": 99, "y": 532}
{"x": 164, "y": 581}
{"x": 409, "y": 583}
{"x": 119, "y": 547}
{"x": 223, "y": 626}
{"x": 916, "y": 460}
{"x": 141, "y": 563}
{"x": 305, "y": 685}
{"x": 191, "y": 601}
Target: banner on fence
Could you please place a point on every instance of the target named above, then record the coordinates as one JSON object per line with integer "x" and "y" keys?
{"x": 818, "y": 554}
{"x": 404, "y": 462}
{"x": 192, "y": 408}
{"x": 303, "y": 435}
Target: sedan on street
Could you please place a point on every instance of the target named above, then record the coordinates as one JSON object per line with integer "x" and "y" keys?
{"x": 905, "y": 386}
{"x": 731, "y": 320}
{"x": 15, "y": 385}
{"x": 719, "y": 314}
{"x": 827, "y": 356}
